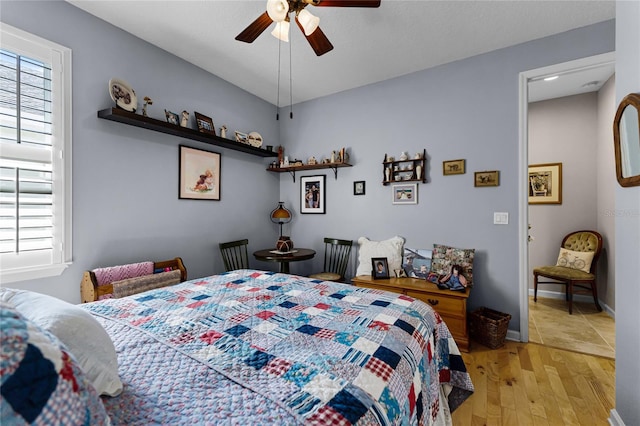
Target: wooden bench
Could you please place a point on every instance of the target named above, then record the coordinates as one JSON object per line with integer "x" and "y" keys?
{"x": 130, "y": 279}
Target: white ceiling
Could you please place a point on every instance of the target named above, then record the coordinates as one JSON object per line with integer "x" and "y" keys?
{"x": 370, "y": 45}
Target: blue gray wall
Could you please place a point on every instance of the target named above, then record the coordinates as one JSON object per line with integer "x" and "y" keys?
{"x": 627, "y": 226}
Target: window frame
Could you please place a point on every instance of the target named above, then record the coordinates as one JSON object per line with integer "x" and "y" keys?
{"x": 31, "y": 266}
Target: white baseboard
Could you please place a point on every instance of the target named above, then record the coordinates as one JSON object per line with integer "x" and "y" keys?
{"x": 614, "y": 418}
{"x": 577, "y": 298}
{"x": 513, "y": 335}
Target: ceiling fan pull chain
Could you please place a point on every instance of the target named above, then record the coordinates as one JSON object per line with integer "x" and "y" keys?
{"x": 278, "y": 85}
{"x": 290, "y": 82}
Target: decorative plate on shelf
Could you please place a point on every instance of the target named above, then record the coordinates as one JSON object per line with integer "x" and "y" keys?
{"x": 123, "y": 95}
{"x": 255, "y": 139}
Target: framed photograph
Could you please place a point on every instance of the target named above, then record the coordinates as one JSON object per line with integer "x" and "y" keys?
{"x": 242, "y": 137}
{"x": 453, "y": 167}
{"x": 406, "y": 193}
{"x": 205, "y": 124}
{"x": 491, "y": 178}
{"x": 172, "y": 117}
{"x": 312, "y": 194}
{"x": 379, "y": 268}
{"x": 199, "y": 174}
{"x": 545, "y": 183}
{"x": 358, "y": 187}
{"x": 416, "y": 263}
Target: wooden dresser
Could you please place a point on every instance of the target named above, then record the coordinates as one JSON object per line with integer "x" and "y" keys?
{"x": 451, "y": 305}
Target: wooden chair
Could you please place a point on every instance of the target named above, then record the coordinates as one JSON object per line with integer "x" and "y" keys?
{"x": 569, "y": 275}
{"x": 235, "y": 255}
{"x": 336, "y": 259}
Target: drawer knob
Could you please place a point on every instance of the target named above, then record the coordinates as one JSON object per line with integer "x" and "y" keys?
{"x": 434, "y": 302}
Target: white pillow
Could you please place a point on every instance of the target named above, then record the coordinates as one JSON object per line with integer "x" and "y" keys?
{"x": 580, "y": 260}
{"x": 391, "y": 249}
{"x": 81, "y": 333}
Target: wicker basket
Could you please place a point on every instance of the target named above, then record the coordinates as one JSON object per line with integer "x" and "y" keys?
{"x": 489, "y": 327}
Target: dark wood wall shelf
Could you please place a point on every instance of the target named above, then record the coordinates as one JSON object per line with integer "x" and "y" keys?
{"x": 293, "y": 169}
{"x": 408, "y": 170}
{"x": 138, "y": 120}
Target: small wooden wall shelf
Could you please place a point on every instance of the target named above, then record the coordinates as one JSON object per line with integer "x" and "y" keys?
{"x": 137, "y": 120}
{"x": 293, "y": 169}
{"x": 401, "y": 171}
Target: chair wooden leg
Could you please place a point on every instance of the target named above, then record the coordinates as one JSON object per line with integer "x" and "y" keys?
{"x": 570, "y": 296}
{"x": 535, "y": 287}
{"x": 594, "y": 291}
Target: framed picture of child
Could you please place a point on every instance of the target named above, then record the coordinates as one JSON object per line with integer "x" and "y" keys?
{"x": 379, "y": 268}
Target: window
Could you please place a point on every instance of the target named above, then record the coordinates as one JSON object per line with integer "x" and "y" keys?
{"x": 35, "y": 156}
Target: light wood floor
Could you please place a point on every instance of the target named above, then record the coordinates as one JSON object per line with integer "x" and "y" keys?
{"x": 586, "y": 330}
{"x": 530, "y": 384}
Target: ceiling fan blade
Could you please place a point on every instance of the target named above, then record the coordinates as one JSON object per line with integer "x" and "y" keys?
{"x": 346, "y": 3}
{"x": 318, "y": 41}
{"x": 254, "y": 29}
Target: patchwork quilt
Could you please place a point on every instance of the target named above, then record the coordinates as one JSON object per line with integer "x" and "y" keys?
{"x": 316, "y": 352}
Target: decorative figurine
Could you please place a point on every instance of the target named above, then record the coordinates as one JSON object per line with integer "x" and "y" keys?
{"x": 184, "y": 121}
{"x": 223, "y": 131}
{"x": 312, "y": 161}
{"x": 147, "y": 101}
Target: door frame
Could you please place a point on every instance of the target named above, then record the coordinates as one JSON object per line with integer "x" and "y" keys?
{"x": 523, "y": 166}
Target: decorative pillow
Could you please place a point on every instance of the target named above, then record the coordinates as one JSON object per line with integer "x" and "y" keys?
{"x": 80, "y": 332}
{"x": 444, "y": 257}
{"x": 580, "y": 260}
{"x": 41, "y": 381}
{"x": 147, "y": 282}
{"x": 391, "y": 249}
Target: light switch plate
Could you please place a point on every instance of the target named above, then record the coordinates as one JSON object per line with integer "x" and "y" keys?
{"x": 500, "y": 218}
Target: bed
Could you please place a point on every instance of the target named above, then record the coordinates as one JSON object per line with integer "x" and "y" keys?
{"x": 256, "y": 347}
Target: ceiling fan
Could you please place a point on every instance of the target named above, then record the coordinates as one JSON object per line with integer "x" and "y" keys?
{"x": 278, "y": 11}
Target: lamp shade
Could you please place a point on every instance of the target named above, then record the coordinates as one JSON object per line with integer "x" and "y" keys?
{"x": 281, "y": 31}
{"x": 280, "y": 214}
{"x": 277, "y": 9}
{"x": 308, "y": 21}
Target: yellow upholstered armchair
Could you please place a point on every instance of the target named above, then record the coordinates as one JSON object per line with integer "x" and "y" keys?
{"x": 576, "y": 266}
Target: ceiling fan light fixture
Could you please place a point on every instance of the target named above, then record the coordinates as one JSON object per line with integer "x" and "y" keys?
{"x": 277, "y": 9}
{"x": 281, "y": 31}
{"x": 308, "y": 21}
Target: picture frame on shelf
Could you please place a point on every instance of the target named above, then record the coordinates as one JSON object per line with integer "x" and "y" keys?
{"x": 545, "y": 183}
{"x": 199, "y": 172}
{"x": 379, "y": 268}
{"x": 453, "y": 167}
{"x": 486, "y": 178}
{"x": 205, "y": 124}
{"x": 172, "y": 117}
{"x": 242, "y": 137}
{"x": 359, "y": 187}
{"x": 406, "y": 193}
{"x": 313, "y": 194}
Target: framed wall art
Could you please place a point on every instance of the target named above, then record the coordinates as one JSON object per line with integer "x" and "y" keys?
{"x": 406, "y": 193}
{"x": 358, "y": 187}
{"x": 487, "y": 178}
{"x": 379, "y": 268}
{"x": 545, "y": 183}
{"x": 313, "y": 194}
{"x": 205, "y": 124}
{"x": 199, "y": 174}
{"x": 453, "y": 167}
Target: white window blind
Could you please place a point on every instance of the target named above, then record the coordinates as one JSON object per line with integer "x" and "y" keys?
{"x": 35, "y": 148}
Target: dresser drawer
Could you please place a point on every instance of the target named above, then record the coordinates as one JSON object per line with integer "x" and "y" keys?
{"x": 443, "y": 305}
{"x": 457, "y": 326}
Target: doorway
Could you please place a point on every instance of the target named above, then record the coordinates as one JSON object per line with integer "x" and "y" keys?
{"x": 527, "y": 93}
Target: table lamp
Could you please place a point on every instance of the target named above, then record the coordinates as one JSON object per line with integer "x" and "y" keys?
{"x": 281, "y": 216}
